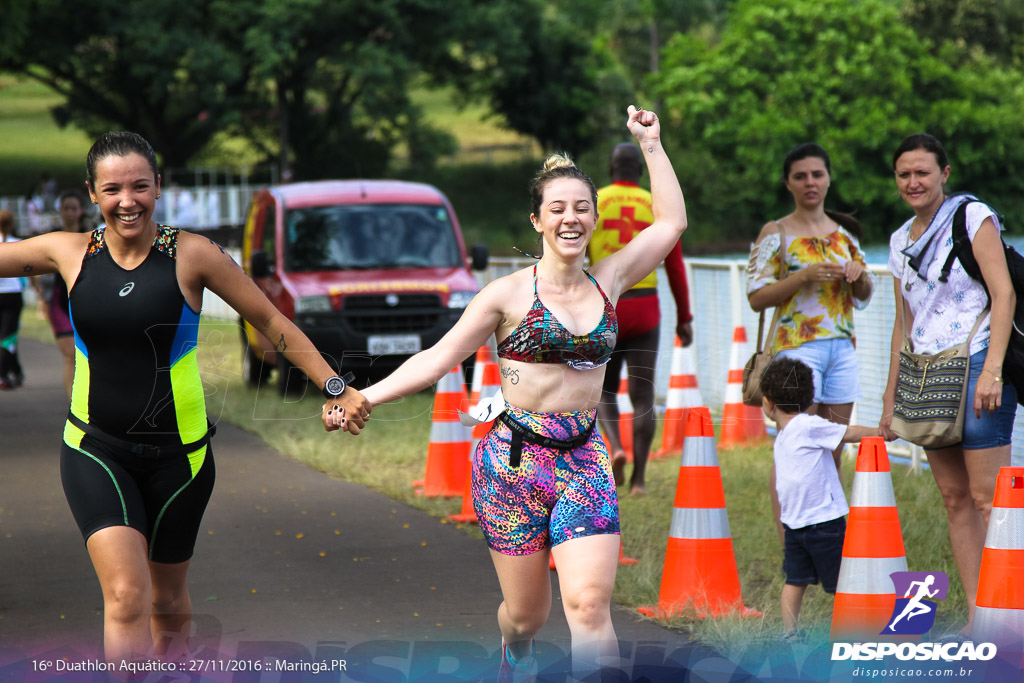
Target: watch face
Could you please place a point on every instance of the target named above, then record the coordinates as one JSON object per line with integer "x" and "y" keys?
{"x": 335, "y": 386}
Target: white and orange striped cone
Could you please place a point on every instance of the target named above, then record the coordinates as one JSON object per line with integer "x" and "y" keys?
{"x": 448, "y": 450}
{"x": 490, "y": 384}
{"x": 999, "y": 606}
{"x": 683, "y": 394}
{"x": 741, "y": 424}
{"x": 625, "y": 414}
{"x": 872, "y": 550}
{"x": 700, "y": 572}
{"x": 484, "y": 355}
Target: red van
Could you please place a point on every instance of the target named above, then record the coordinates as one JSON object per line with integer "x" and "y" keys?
{"x": 371, "y": 271}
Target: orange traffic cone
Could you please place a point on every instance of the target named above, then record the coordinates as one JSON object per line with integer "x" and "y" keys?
{"x": 999, "y": 615}
{"x": 683, "y": 394}
{"x": 741, "y": 424}
{"x": 625, "y": 414}
{"x": 483, "y": 357}
{"x": 448, "y": 451}
{"x": 700, "y": 565}
{"x": 490, "y": 384}
{"x": 873, "y": 549}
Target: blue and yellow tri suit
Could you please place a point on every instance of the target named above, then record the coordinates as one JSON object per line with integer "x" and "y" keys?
{"x": 136, "y": 444}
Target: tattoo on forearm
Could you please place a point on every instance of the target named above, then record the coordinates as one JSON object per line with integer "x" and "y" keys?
{"x": 511, "y": 375}
{"x": 223, "y": 251}
{"x": 28, "y": 268}
{"x": 281, "y": 346}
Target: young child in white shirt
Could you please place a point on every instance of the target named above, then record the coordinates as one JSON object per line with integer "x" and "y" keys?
{"x": 810, "y": 493}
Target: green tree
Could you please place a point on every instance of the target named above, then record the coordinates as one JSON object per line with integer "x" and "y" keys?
{"x": 320, "y": 85}
{"x": 850, "y": 76}
{"x": 171, "y": 70}
{"x": 542, "y": 80}
{"x": 996, "y": 26}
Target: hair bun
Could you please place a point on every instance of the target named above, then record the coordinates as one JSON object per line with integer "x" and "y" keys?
{"x": 558, "y": 160}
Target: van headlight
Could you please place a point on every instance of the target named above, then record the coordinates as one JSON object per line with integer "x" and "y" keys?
{"x": 312, "y": 304}
{"x": 460, "y": 299}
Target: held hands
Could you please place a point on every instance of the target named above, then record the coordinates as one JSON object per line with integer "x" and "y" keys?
{"x": 885, "y": 426}
{"x": 644, "y": 126}
{"x": 349, "y": 412}
{"x": 885, "y": 423}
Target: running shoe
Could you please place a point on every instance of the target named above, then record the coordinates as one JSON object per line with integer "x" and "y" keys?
{"x": 521, "y": 672}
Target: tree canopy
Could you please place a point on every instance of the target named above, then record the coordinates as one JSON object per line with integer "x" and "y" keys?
{"x": 852, "y": 77}
{"x": 322, "y": 83}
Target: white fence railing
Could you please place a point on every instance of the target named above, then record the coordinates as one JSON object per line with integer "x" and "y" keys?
{"x": 719, "y": 304}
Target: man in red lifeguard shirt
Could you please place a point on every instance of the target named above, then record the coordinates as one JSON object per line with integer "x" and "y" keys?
{"x": 624, "y": 209}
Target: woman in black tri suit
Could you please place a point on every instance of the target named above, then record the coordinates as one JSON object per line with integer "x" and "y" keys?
{"x": 136, "y": 460}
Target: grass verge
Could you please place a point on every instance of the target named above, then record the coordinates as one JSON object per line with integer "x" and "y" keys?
{"x": 390, "y": 454}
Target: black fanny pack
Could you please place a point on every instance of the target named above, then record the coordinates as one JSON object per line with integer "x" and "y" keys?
{"x": 521, "y": 434}
{"x": 141, "y": 449}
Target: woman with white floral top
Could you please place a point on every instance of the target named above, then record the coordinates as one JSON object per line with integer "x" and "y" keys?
{"x": 826, "y": 279}
{"x": 942, "y": 314}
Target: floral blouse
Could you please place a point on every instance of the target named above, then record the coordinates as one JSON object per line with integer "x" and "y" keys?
{"x": 820, "y": 311}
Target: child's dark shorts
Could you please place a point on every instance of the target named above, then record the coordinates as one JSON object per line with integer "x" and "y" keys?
{"x": 813, "y": 554}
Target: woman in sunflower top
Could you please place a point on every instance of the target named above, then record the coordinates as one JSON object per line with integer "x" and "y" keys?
{"x": 827, "y": 278}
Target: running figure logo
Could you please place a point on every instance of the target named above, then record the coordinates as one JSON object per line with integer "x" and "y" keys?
{"x": 914, "y": 614}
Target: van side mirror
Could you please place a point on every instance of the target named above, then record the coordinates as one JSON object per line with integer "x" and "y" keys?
{"x": 259, "y": 264}
{"x": 478, "y": 256}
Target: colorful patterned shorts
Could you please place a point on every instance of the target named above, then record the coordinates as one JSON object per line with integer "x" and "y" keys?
{"x": 554, "y": 495}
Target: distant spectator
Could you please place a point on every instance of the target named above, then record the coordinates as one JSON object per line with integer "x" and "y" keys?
{"x": 11, "y": 303}
{"x": 47, "y": 191}
{"x": 73, "y": 218}
{"x": 34, "y": 208}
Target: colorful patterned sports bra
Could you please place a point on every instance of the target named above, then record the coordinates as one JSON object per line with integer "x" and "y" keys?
{"x": 541, "y": 338}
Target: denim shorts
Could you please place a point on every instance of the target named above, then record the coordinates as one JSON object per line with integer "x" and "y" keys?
{"x": 991, "y": 429}
{"x": 812, "y": 554}
{"x": 833, "y": 362}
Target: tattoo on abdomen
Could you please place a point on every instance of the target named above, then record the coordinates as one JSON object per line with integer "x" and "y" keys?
{"x": 511, "y": 375}
{"x": 281, "y": 346}
{"x": 29, "y": 268}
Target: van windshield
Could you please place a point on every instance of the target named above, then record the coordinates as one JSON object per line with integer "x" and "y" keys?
{"x": 369, "y": 236}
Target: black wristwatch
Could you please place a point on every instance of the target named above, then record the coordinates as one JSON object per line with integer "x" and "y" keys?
{"x": 335, "y": 386}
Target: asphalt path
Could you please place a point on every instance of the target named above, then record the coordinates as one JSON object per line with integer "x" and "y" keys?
{"x": 294, "y": 571}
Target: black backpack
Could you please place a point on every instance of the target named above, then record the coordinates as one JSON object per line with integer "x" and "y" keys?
{"x": 1013, "y": 363}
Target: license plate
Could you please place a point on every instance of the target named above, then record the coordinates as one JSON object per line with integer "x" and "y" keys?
{"x": 393, "y": 344}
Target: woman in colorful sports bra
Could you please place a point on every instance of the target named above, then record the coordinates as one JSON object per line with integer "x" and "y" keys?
{"x": 826, "y": 278}
{"x": 542, "y": 481}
